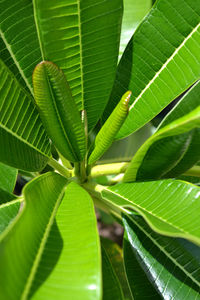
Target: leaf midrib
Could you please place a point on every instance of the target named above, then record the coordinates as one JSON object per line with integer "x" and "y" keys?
{"x": 164, "y": 66}
{"x": 38, "y": 256}
{"x": 165, "y": 252}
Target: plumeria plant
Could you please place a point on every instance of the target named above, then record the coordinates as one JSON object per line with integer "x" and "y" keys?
{"x": 80, "y": 82}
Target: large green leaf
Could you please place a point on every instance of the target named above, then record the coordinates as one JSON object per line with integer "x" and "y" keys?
{"x": 115, "y": 257}
{"x": 134, "y": 11}
{"x": 111, "y": 284}
{"x": 172, "y": 265}
{"x": 160, "y": 62}
{"x": 70, "y": 266}
{"x": 165, "y": 148}
{"x": 58, "y": 111}
{"x": 21, "y": 247}
{"x": 82, "y": 38}
{"x": 8, "y": 176}
{"x": 138, "y": 281}
{"x": 8, "y": 211}
{"x": 170, "y": 207}
{"x": 19, "y": 36}
{"x": 25, "y": 143}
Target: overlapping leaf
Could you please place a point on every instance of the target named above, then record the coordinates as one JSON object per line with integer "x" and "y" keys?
{"x": 8, "y": 212}
{"x": 8, "y": 176}
{"x": 70, "y": 266}
{"x": 160, "y": 62}
{"x": 25, "y": 143}
{"x": 82, "y": 38}
{"x": 170, "y": 207}
{"x": 134, "y": 11}
{"x": 111, "y": 284}
{"x": 19, "y": 36}
{"x": 172, "y": 265}
{"x": 164, "y": 150}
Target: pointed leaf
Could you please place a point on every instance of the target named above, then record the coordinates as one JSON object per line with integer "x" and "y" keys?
{"x": 25, "y": 143}
{"x": 170, "y": 207}
{"x": 8, "y": 176}
{"x": 165, "y": 148}
{"x": 82, "y": 38}
{"x": 8, "y": 212}
{"x": 172, "y": 265}
{"x": 109, "y": 130}
{"x": 160, "y": 62}
{"x": 23, "y": 244}
{"x": 58, "y": 111}
{"x": 134, "y": 11}
{"x": 70, "y": 267}
{"x": 19, "y": 35}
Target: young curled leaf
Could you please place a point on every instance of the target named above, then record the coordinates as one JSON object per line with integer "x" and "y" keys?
{"x": 109, "y": 130}
{"x": 58, "y": 111}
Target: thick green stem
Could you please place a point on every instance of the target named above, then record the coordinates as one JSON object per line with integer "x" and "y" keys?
{"x": 61, "y": 169}
{"x": 109, "y": 169}
{"x": 95, "y": 191}
{"x": 194, "y": 171}
{"x": 80, "y": 171}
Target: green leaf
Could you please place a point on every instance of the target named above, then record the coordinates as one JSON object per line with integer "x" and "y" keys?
{"x": 138, "y": 281}
{"x": 8, "y": 176}
{"x": 114, "y": 255}
{"x": 111, "y": 284}
{"x": 5, "y": 196}
{"x": 58, "y": 111}
{"x": 82, "y": 38}
{"x": 109, "y": 130}
{"x": 23, "y": 244}
{"x": 165, "y": 148}
{"x": 160, "y": 62}
{"x": 25, "y": 143}
{"x": 8, "y": 212}
{"x": 70, "y": 266}
{"x": 164, "y": 204}
{"x": 19, "y": 36}
{"x": 172, "y": 265}
{"x": 134, "y": 11}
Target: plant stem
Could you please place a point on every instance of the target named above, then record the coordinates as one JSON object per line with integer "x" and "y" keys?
{"x": 109, "y": 169}
{"x": 95, "y": 190}
{"x": 194, "y": 171}
{"x": 61, "y": 169}
{"x": 80, "y": 171}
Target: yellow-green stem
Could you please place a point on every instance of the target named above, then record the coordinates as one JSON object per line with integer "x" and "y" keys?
{"x": 109, "y": 169}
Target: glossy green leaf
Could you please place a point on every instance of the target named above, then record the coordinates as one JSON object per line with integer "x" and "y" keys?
{"x": 172, "y": 265}
{"x": 5, "y": 196}
{"x": 25, "y": 143}
{"x": 111, "y": 284}
{"x": 114, "y": 254}
{"x": 165, "y": 148}
{"x": 19, "y": 36}
{"x": 21, "y": 247}
{"x": 138, "y": 281}
{"x": 58, "y": 111}
{"x": 82, "y": 38}
{"x": 160, "y": 62}
{"x": 134, "y": 12}
{"x": 8, "y": 176}
{"x": 170, "y": 207}
{"x": 8, "y": 211}
{"x": 109, "y": 130}
{"x": 70, "y": 266}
